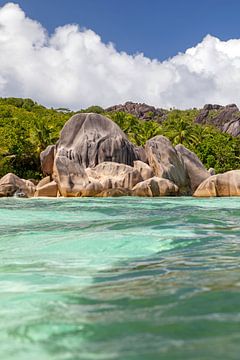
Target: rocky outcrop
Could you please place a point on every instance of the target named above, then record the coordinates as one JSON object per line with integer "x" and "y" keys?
{"x": 226, "y": 184}
{"x": 114, "y": 175}
{"x": 117, "y": 192}
{"x": 144, "y": 169}
{"x": 47, "y": 190}
{"x": 90, "y": 139}
{"x": 167, "y": 163}
{"x": 70, "y": 176}
{"x": 11, "y": 185}
{"x": 196, "y": 171}
{"x": 225, "y": 118}
{"x": 47, "y": 160}
{"x": 141, "y": 111}
{"x": 155, "y": 187}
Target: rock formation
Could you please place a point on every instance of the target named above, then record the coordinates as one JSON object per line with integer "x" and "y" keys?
{"x": 11, "y": 185}
{"x": 155, "y": 187}
{"x": 90, "y": 139}
{"x": 227, "y": 184}
{"x": 47, "y": 160}
{"x": 197, "y": 173}
{"x": 93, "y": 157}
{"x": 114, "y": 175}
{"x": 141, "y": 111}
{"x": 167, "y": 163}
{"x": 225, "y": 118}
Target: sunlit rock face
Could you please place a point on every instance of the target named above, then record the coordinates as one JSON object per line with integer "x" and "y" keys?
{"x": 197, "y": 173}
{"x": 11, "y": 185}
{"x": 226, "y": 184}
{"x": 167, "y": 163}
{"x": 91, "y": 139}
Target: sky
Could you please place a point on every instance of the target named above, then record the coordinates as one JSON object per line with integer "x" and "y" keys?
{"x": 76, "y": 53}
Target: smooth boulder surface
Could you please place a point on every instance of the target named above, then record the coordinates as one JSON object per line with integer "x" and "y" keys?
{"x": 49, "y": 189}
{"x": 226, "y": 184}
{"x": 70, "y": 176}
{"x": 115, "y": 175}
{"x": 144, "y": 169}
{"x": 155, "y": 187}
{"x": 197, "y": 172}
{"x": 117, "y": 192}
{"x": 47, "y": 160}
{"x": 167, "y": 163}
{"x": 11, "y": 185}
{"x": 90, "y": 139}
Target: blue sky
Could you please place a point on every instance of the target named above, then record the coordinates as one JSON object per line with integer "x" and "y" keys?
{"x": 158, "y": 28}
{"x": 175, "y": 53}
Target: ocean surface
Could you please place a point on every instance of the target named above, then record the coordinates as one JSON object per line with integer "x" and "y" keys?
{"x": 121, "y": 278}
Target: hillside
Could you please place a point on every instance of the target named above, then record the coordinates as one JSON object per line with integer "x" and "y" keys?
{"x": 27, "y": 128}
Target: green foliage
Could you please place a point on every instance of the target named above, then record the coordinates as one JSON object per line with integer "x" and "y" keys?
{"x": 26, "y": 128}
{"x": 94, "y": 109}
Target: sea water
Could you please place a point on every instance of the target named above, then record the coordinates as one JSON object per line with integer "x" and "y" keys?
{"x": 120, "y": 278}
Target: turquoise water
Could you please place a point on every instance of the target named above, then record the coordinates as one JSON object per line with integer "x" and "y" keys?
{"x": 125, "y": 278}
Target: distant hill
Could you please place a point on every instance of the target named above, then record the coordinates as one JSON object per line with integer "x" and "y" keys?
{"x": 225, "y": 118}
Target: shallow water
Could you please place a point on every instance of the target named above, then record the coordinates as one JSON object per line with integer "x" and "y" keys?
{"x": 123, "y": 278}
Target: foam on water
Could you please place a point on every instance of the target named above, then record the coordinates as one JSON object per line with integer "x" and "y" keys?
{"x": 125, "y": 278}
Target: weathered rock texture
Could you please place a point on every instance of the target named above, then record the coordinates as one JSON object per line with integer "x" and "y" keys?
{"x": 141, "y": 111}
{"x": 117, "y": 192}
{"x": 49, "y": 190}
{"x": 144, "y": 169}
{"x": 227, "y": 184}
{"x": 155, "y": 187}
{"x": 167, "y": 163}
{"x": 90, "y": 139}
{"x": 115, "y": 175}
{"x": 225, "y": 118}
{"x": 70, "y": 176}
{"x": 197, "y": 173}
{"x": 47, "y": 159}
{"x": 11, "y": 184}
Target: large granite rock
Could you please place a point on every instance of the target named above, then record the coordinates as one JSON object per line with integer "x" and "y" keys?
{"x": 144, "y": 169}
{"x": 47, "y": 159}
{"x": 197, "y": 173}
{"x": 114, "y": 175}
{"x": 141, "y": 111}
{"x": 90, "y": 139}
{"x": 11, "y": 185}
{"x": 70, "y": 176}
{"x": 47, "y": 190}
{"x": 116, "y": 192}
{"x": 155, "y": 187}
{"x": 225, "y": 118}
{"x": 167, "y": 163}
{"x": 226, "y": 184}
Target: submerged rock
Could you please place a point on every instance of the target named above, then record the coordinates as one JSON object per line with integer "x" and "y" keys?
{"x": 11, "y": 184}
{"x": 226, "y": 184}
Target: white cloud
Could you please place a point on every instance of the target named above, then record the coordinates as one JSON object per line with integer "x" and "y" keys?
{"x": 74, "y": 68}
